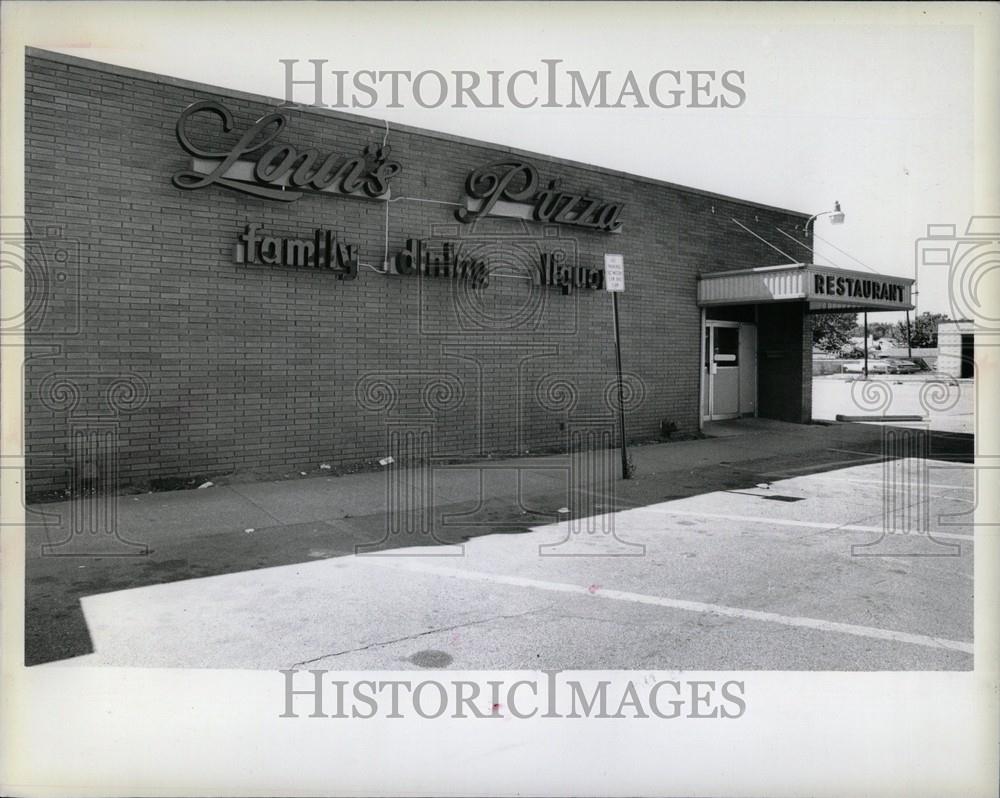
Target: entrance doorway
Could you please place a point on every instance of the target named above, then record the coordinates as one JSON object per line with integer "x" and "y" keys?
{"x": 730, "y": 370}
{"x": 968, "y": 369}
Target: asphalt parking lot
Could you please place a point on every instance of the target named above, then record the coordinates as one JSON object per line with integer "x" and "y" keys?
{"x": 769, "y": 546}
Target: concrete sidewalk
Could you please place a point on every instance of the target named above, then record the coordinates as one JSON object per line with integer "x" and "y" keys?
{"x": 494, "y": 492}
{"x": 243, "y": 527}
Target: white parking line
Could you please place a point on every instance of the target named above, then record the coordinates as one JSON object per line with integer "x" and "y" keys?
{"x": 877, "y": 484}
{"x": 864, "y": 455}
{"x": 679, "y": 604}
{"x": 752, "y": 519}
{"x": 867, "y": 459}
{"x": 823, "y": 466}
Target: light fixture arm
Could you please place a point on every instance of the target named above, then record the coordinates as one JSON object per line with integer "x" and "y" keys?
{"x": 813, "y": 218}
{"x": 837, "y": 216}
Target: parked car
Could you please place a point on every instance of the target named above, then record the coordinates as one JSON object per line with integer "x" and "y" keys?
{"x": 900, "y": 366}
{"x": 874, "y": 367}
{"x": 885, "y": 365}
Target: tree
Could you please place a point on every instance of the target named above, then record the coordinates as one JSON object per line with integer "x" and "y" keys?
{"x": 923, "y": 330}
{"x": 882, "y": 329}
{"x": 877, "y": 330}
{"x": 831, "y": 331}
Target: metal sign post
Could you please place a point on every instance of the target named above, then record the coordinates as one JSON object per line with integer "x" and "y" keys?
{"x": 866, "y": 344}
{"x": 909, "y": 346}
{"x": 614, "y": 282}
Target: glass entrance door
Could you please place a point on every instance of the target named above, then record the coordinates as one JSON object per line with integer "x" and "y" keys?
{"x": 729, "y": 381}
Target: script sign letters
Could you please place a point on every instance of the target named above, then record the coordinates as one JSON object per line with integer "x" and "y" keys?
{"x": 280, "y": 172}
{"x": 510, "y": 188}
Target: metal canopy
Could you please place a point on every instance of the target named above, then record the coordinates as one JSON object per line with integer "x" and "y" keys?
{"x": 825, "y": 288}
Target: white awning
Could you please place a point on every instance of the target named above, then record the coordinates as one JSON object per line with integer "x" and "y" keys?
{"x": 825, "y": 288}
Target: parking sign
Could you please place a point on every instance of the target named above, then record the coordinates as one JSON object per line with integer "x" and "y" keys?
{"x": 614, "y": 273}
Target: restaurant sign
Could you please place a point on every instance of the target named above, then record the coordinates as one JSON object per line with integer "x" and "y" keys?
{"x": 323, "y": 251}
{"x": 277, "y": 171}
{"x": 446, "y": 259}
{"x": 511, "y": 188}
{"x": 838, "y": 286}
{"x": 825, "y": 288}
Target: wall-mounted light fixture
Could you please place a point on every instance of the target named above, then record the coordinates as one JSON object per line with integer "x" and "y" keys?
{"x": 836, "y": 216}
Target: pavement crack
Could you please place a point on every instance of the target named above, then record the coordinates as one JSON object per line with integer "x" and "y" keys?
{"x": 380, "y": 643}
{"x": 264, "y": 510}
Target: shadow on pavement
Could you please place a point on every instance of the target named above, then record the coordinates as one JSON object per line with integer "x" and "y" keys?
{"x": 55, "y": 627}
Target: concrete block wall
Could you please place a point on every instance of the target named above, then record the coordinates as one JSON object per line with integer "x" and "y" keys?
{"x": 201, "y": 366}
{"x": 949, "y": 339}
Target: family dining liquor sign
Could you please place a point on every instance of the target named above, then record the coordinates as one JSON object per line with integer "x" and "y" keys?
{"x": 258, "y": 165}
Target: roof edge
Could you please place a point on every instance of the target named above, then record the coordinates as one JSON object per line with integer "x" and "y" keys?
{"x": 114, "y": 69}
{"x": 797, "y": 266}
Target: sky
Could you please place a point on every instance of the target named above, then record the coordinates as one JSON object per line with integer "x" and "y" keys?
{"x": 872, "y": 108}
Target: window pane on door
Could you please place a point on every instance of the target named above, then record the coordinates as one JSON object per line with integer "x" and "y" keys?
{"x": 727, "y": 346}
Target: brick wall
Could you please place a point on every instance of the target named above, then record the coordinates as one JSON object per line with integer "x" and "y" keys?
{"x": 146, "y": 327}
